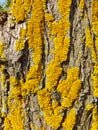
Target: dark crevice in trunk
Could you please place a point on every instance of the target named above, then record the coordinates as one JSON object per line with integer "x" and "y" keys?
{"x": 71, "y": 18}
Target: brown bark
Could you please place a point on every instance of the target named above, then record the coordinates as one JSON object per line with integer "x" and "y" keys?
{"x": 18, "y": 63}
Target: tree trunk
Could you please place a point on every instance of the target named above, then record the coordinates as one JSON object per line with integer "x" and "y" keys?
{"x": 49, "y": 65}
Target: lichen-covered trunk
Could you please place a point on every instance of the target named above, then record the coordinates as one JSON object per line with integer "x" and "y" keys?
{"x": 49, "y": 65}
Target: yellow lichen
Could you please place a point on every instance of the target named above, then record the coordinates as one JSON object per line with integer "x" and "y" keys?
{"x": 35, "y": 32}
{"x": 51, "y": 109}
{"x": 45, "y": 105}
{"x": 33, "y": 79}
{"x": 20, "y": 9}
{"x": 93, "y": 45}
{"x": 4, "y": 107}
{"x": 64, "y": 7}
{"x": 42, "y": 128}
{"x": 3, "y": 88}
{"x": 95, "y": 17}
{"x": 15, "y": 118}
{"x": 54, "y": 28}
{"x": 61, "y": 44}
{"x": 95, "y": 119}
{"x": 48, "y": 17}
{"x": 34, "y": 35}
{"x": 89, "y": 40}
{"x": 70, "y": 87}
{"x": 81, "y": 4}
{"x": 55, "y": 116}
{"x": 20, "y": 43}
{"x": 81, "y": 7}
{"x": 3, "y": 78}
{"x": 90, "y": 44}
{"x": 31, "y": 126}
{"x": 95, "y": 55}
{"x": 50, "y": 112}
{"x": 89, "y": 107}
{"x": 1, "y": 47}
{"x": 55, "y": 104}
{"x": 53, "y": 73}
{"x": 54, "y": 120}
{"x": 2, "y": 68}
{"x": 95, "y": 21}
{"x": 95, "y": 80}
{"x": 13, "y": 81}
{"x": 2, "y": 55}
{"x": 69, "y": 122}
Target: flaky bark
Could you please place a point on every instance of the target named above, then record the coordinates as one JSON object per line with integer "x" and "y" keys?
{"x": 34, "y": 77}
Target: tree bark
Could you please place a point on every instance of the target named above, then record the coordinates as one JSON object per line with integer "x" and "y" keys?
{"x": 49, "y": 65}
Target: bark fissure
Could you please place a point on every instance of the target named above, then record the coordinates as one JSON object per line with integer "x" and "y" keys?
{"x": 48, "y": 65}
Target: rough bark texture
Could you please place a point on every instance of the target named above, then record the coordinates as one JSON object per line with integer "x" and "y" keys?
{"x": 46, "y": 83}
